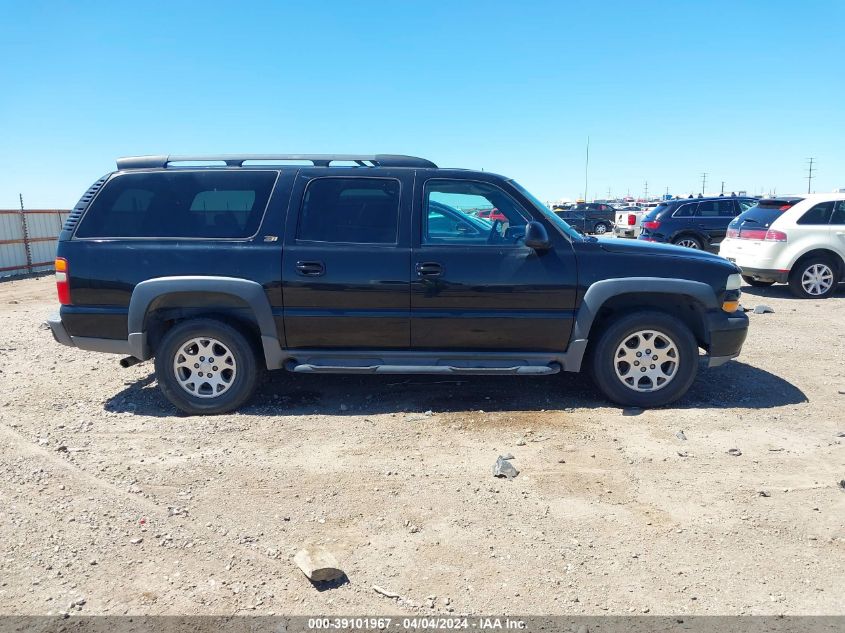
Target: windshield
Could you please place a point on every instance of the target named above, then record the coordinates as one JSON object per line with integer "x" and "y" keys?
{"x": 547, "y": 213}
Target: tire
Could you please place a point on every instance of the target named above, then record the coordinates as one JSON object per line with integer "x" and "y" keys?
{"x": 600, "y": 228}
{"x": 633, "y": 329}
{"x": 814, "y": 278}
{"x": 176, "y": 370}
{"x": 757, "y": 283}
{"x": 688, "y": 241}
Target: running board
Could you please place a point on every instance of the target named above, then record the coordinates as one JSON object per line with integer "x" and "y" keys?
{"x": 532, "y": 370}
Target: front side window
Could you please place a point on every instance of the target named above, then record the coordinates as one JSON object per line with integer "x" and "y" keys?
{"x": 480, "y": 213}
{"x": 819, "y": 214}
{"x": 350, "y": 210}
{"x": 209, "y": 204}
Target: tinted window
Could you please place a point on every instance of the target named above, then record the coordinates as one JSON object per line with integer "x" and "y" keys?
{"x": 838, "y": 213}
{"x": 352, "y": 210}
{"x": 762, "y": 214}
{"x": 503, "y": 214}
{"x": 745, "y": 205}
{"x": 819, "y": 214}
{"x": 210, "y": 204}
{"x": 684, "y": 211}
{"x": 716, "y": 208}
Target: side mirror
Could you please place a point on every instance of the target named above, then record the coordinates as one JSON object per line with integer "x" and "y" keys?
{"x": 536, "y": 236}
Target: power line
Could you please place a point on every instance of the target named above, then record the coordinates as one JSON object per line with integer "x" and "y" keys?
{"x": 810, "y": 174}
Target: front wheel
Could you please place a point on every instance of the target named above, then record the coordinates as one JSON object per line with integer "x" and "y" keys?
{"x": 815, "y": 278}
{"x": 645, "y": 359}
{"x": 205, "y": 366}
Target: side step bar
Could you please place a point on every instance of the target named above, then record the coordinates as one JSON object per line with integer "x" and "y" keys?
{"x": 533, "y": 370}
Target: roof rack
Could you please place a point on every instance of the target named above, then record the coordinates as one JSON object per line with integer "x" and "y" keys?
{"x": 238, "y": 160}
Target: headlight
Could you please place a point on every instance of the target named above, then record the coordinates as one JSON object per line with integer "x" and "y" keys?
{"x": 734, "y": 282}
{"x": 732, "y": 293}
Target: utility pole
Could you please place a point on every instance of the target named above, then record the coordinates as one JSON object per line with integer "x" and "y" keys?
{"x": 723, "y": 187}
{"x": 810, "y": 174}
{"x": 587, "y": 169}
{"x": 608, "y": 193}
{"x": 646, "y": 190}
{"x": 703, "y": 181}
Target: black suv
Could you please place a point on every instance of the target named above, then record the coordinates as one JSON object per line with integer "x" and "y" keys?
{"x": 589, "y": 217}
{"x": 372, "y": 266}
{"x": 699, "y": 223}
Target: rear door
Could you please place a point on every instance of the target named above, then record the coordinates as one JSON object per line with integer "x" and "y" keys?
{"x": 837, "y": 228}
{"x": 345, "y": 281}
{"x": 494, "y": 293}
{"x": 713, "y": 217}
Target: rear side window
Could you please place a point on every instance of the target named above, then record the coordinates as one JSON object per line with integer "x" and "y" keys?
{"x": 819, "y": 214}
{"x": 350, "y": 210}
{"x": 209, "y": 204}
{"x": 686, "y": 210}
{"x": 716, "y": 209}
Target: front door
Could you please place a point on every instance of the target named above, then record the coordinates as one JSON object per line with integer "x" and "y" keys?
{"x": 474, "y": 283}
{"x": 345, "y": 260}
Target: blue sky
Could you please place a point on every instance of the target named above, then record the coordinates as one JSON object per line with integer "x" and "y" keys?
{"x": 745, "y": 91}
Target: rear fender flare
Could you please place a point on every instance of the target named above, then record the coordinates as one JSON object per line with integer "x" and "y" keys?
{"x": 251, "y": 292}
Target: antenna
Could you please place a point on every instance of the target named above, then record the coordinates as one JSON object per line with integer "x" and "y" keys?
{"x": 810, "y": 174}
{"x": 587, "y": 169}
{"x": 703, "y": 181}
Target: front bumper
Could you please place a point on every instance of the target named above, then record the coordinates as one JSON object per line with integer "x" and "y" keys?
{"x": 727, "y": 334}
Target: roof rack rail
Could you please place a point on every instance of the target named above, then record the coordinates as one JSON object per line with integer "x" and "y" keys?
{"x": 238, "y": 160}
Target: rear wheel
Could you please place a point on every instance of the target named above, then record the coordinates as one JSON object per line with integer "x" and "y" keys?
{"x": 205, "y": 366}
{"x": 645, "y": 359}
{"x": 601, "y": 228}
{"x": 814, "y": 278}
{"x": 688, "y": 241}
{"x": 757, "y": 283}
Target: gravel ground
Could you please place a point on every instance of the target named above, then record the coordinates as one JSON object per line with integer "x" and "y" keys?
{"x": 112, "y": 503}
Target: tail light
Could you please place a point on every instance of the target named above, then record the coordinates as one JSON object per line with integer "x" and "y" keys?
{"x": 651, "y": 225}
{"x": 732, "y": 233}
{"x": 62, "y": 282}
{"x": 762, "y": 235}
{"x": 632, "y": 219}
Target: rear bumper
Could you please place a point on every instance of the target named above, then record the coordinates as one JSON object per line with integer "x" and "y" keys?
{"x": 106, "y": 345}
{"x": 624, "y": 231}
{"x": 727, "y": 334}
{"x": 765, "y": 274}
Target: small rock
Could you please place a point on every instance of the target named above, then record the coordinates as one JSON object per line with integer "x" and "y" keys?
{"x": 841, "y": 433}
{"x": 521, "y": 442}
{"x": 503, "y": 468}
{"x": 561, "y": 461}
{"x": 385, "y": 592}
{"x": 764, "y": 493}
{"x": 763, "y": 309}
{"x": 842, "y": 483}
{"x": 508, "y": 456}
{"x": 683, "y": 454}
{"x": 136, "y": 541}
{"x": 680, "y": 435}
{"x": 318, "y": 564}
{"x": 428, "y": 413}
{"x": 735, "y": 452}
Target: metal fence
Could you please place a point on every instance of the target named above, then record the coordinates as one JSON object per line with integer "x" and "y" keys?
{"x": 28, "y": 239}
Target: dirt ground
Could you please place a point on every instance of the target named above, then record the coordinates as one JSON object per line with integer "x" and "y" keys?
{"x": 110, "y": 498}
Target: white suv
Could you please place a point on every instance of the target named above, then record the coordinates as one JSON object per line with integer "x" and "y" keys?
{"x": 794, "y": 240}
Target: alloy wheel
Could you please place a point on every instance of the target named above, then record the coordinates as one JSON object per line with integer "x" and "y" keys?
{"x": 204, "y": 367}
{"x": 646, "y": 360}
{"x": 817, "y": 279}
{"x": 687, "y": 243}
